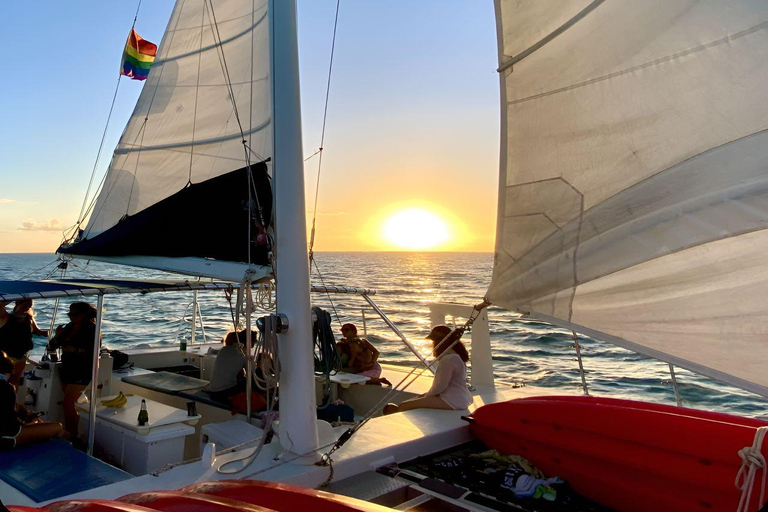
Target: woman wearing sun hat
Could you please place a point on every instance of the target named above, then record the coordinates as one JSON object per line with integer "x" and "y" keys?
{"x": 449, "y": 387}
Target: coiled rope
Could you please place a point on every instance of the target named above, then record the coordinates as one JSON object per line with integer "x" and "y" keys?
{"x": 327, "y": 360}
{"x": 752, "y": 461}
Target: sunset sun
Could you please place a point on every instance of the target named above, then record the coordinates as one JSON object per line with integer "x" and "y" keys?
{"x": 415, "y": 229}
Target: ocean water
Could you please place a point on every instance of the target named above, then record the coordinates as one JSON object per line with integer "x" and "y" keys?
{"x": 525, "y": 352}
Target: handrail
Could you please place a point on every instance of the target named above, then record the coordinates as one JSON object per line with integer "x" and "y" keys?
{"x": 396, "y": 330}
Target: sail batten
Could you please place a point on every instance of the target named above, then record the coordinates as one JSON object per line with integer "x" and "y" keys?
{"x": 177, "y": 184}
{"x": 633, "y": 196}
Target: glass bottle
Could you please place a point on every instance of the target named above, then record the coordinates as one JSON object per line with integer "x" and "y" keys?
{"x": 143, "y": 414}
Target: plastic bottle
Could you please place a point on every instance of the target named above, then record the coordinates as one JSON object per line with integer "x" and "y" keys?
{"x": 143, "y": 414}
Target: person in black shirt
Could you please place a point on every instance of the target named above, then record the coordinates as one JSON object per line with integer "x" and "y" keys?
{"x": 76, "y": 340}
{"x": 15, "y": 429}
{"x": 16, "y": 330}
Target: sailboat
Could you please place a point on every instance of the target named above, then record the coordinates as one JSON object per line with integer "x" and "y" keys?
{"x": 631, "y": 209}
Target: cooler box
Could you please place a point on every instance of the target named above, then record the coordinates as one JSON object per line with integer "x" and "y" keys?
{"x": 138, "y": 454}
{"x": 228, "y": 434}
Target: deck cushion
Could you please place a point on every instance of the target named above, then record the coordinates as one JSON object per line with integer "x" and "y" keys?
{"x": 52, "y": 469}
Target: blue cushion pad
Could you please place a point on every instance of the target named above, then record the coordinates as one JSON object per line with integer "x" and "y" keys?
{"x": 52, "y": 469}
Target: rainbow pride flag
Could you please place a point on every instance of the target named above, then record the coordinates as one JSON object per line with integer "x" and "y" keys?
{"x": 138, "y": 57}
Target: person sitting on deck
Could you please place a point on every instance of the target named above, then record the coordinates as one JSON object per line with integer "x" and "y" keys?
{"x": 359, "y": 356}
{"x": 228, "y": 376}
{"x": 449, "y": 387}
{"x": 16, "y": 427}
{"x": 76, "y": 340}
{"x": 16, "y": 330}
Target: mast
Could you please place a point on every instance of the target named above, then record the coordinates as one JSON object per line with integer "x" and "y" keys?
{"x": 298, "y": 409}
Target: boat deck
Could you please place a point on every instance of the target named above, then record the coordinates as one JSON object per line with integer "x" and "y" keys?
{"x": 384, "y": 440}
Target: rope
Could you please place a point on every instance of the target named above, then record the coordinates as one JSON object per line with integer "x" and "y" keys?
{"x": 81, "y": 216}
{"x": 752, "y": 460}
{"x": 52, "y": 329}
{"x": 267, "y": 353}
{"x": 54, "y": 262}
{"x": 322, "y": 134}
{"x": 327, "y": 360}
{"x": 248, "y": 459}
{"x": 581, "y": 364}
{"x": 137, "y": 14}
{"x": 322, "y": 281}
{"x": 674, "y": 385}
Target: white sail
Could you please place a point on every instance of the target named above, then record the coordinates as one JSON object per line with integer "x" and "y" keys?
{"x": 177, "y": 184}
{"x": 633, "y": 200}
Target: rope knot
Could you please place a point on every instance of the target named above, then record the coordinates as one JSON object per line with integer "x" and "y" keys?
{"x": 752, "y": 461}
{"x": 751, "y": 457}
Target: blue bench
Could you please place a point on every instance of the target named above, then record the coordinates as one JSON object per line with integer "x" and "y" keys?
{"x": 52, "y": 469}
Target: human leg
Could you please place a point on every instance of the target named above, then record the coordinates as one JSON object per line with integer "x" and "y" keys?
{"x": 424, "y": 402}
{"x": 38, "y": 431}
{"x": 71, "y": 394}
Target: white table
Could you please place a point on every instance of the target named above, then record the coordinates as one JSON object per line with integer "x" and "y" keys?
{"x": 347, "y": 379}
{"x": 120, "y": 440}
{"x": 127, "y": 416}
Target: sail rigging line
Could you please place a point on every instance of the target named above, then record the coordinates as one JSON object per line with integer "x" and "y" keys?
{"x": 54, "y": 262}
{"x": 142, "y": 132}
{"x": 397, "y": 390}
{"x": 246, "y": 148}
{"x": 197, "y": 97}
{"x": 322, "y": 281}
{"x": 322, "y": 134}
{"x": 678, "y": 399}
{"x": 136, "y": 17}
{"x": 577, "y": 345}
{"x": 81, "y": 216}
{"x": 52, "y": 329}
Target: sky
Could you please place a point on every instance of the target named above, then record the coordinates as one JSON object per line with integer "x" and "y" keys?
{"x": 413, "y": 117}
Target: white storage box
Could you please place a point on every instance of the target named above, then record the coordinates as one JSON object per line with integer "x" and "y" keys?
{"x": 138, "y": 454}
{"x": 228, "y": 434}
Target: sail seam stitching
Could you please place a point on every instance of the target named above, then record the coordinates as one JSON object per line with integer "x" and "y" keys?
{"x": 210, "y": 47}
{"x": 559, "y": 30}
{"x": 200, "y": 142}
{"x": 661, "y": 60}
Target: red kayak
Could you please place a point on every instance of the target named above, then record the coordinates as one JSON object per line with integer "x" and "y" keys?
{"x": 629, "y": 456}
{"x": 224, "y": 496}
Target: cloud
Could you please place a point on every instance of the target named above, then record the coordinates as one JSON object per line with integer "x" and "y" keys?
{"x": 6, "y": 200}
{"x": 31, "y": 225}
